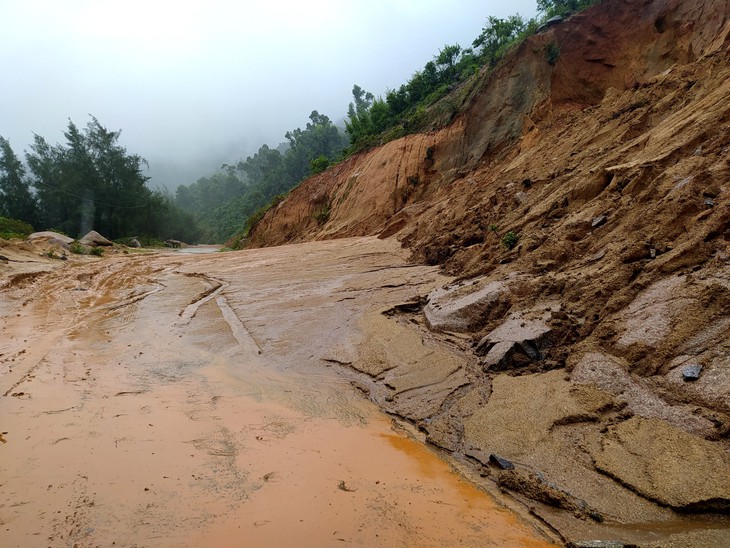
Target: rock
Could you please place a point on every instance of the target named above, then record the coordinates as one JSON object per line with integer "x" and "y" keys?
{"x": 500, "y": 462}
{"x": 535, "y": 486}
{"x": 709, "y": 202}
{"x": 461, "y": 308}
{"x": 549, "y": 23}
{"x": 599, "y": 544}
{"x": 48, "y": 235}
{"x": 173, "y": 243}
{"x": 598, "y": 221}
{"x": 134, "y": 242}
{"x": 691, "y": 372}
{"x": 93, "y": 238}
{"x": 477, "y": 454}
{"x": 517, "y": 342}
{"x": 666, "y": 465}
{"x": 59, "y": 243}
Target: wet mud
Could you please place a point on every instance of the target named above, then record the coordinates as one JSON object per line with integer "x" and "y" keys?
{"x": 194, "y": 400}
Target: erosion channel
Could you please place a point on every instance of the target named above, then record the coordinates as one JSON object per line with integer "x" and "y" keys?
{"x": 173, "y": 399}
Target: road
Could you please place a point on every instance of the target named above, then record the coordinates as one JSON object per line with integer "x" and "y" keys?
{"x": 174, "y": 399}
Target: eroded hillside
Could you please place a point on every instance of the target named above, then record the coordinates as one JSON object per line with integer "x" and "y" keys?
{"x": 582, "y": 202}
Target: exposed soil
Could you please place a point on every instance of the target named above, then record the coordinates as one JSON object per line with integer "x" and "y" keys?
{"x": 582, "y": 204}
{"x": 173, "y": 399}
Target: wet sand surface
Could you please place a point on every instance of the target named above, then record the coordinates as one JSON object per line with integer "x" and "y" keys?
{"x": 188, "y": 400}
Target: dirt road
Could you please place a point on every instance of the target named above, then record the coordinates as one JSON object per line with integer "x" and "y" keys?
{"x": 192, "y": 400}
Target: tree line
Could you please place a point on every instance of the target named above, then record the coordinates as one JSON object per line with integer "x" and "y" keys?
{"x": 231, "y": 201}
{"x": 89, "y": 182}
{"x": 93, "y": 182}
{"x": 375, "y": 120}
{"x": 224, "y": 202}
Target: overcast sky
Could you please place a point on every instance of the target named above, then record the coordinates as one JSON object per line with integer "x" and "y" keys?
{"x": 195, "y": 84}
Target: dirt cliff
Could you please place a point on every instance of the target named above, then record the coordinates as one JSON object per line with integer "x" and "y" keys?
{"x": 582, "y": 202}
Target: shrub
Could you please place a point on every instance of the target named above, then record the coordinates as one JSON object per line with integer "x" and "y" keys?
{"x": 322, "y": 215}
{"x": 319, "y": 164}
{"x": 552, "y": 52}
{"x": 97, "y": 251}
{"x": 77, "y": 248}
{"x": 12, "y": 228}
{"x": 510, "y": 239}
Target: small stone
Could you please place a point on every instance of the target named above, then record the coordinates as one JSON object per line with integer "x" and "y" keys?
{"x": 709, "y": 202}
{"x": 691, "y": 372}
{"x": 598, "y": 221}
{"x": 501, "y": 463}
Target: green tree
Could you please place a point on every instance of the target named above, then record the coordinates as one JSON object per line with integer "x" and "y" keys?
{"x": 551, "y": 8}
{"x": 446, "y": 61}
{"x": 497, "y": 36}
{"x": 93, "y": 182}
{"x": 16, "y": 199}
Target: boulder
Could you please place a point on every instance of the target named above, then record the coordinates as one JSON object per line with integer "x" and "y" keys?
{"x": 134, "y": 242}
{"x": 516, "y": 342}
{"x": 463, "y": 307}
{"x": 60, "y": 243}
{"x": 49, "y": 235}
{"x": 93, "y": 238}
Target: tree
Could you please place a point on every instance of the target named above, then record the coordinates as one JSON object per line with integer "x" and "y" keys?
{"x": 497, "y": 36}
{"x": 560, "y": 7}
{"x": 93, "y": 182}
{"x": 446, "y": 61}
{"x": 16, "y": 198}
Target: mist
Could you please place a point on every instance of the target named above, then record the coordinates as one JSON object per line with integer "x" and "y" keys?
{"x": 193, "y": 85}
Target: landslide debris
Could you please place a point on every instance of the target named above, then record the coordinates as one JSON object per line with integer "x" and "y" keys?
{"x": 582, "y": 205}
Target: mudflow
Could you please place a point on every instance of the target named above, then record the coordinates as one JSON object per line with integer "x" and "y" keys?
{"x": 546, "y": 305}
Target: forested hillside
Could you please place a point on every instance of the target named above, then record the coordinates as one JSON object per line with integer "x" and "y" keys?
{"x": 222, "y": 202}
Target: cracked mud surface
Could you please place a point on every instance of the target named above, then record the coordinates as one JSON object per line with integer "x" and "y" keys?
{"x": 173, "y": 400}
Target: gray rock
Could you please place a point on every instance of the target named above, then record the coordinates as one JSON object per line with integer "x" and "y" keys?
{"x": 460, "y": 308}
{"x": 93, "y": 238}
{"x": 501, "y": 463}
{"x": 598, "y": 221}
{"x": 709, "y": 202}
{"x": 59, "y": 243}
{"x": 514, "y": 343}
{"x": 47, "y": 234}
{"x": 691, "y": 372}
{"x": 134, "y": 242}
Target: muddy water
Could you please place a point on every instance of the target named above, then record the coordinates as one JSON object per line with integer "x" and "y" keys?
{"x": 174, "y": 400}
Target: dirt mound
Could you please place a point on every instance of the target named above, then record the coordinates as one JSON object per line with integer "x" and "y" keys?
{"x": 587, "y": 180}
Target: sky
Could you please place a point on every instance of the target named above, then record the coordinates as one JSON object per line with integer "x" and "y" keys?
{"x": 193, "y": 85}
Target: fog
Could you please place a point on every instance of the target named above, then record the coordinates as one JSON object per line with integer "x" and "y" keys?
{"x": 195, "y": 84}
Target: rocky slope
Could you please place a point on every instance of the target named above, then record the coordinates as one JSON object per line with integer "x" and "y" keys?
{"x": 583, "y": 205}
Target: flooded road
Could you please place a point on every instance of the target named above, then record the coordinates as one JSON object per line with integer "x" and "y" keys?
{"x": 191, "y": 400}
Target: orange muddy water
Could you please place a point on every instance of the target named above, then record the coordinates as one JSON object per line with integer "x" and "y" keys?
{"x": 186, "y": 400}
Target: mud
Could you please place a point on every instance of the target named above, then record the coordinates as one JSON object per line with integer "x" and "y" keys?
{"x": 193, "y": 400}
